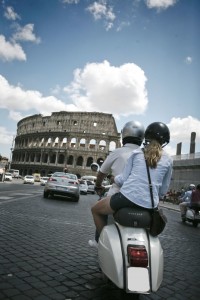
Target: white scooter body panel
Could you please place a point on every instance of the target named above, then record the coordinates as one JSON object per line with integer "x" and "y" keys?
{"x": 190, "y": 214}
{"x": 138, "y": 280}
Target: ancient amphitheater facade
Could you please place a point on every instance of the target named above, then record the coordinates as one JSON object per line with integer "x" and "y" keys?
{"x": 45, "y": 144}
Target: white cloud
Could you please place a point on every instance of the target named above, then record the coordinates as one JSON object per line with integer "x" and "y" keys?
{"x": 181, "y": 129}
{"x": 10, "y": 14}
{"x": 14, "y": 98}
{"x": 6, "y": 136}
{"x": 100, "y": 10}
{"x": 15, "y": 115}
{"x": 10, "y": 50}
{"x": 105, "y": 88}
{"x": 26, "y": 34}
{"x": 160, "y": 4}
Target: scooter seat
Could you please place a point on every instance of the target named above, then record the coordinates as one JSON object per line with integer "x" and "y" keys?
{"x": 133, "y": 217}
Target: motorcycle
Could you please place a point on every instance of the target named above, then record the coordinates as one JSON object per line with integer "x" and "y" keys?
{"x": 128, "y": 255}
{"x": 192, "y": 215}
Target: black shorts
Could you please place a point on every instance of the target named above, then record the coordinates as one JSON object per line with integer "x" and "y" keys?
{"x": 118, "y": 201}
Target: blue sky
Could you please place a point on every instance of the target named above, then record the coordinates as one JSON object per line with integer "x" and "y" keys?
{"x": 136, "y": 59}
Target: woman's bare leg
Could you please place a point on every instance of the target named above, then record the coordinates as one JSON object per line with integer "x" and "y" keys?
{"x": 100, "y": 209}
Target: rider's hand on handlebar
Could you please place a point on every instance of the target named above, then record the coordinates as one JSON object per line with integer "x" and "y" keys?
{"x": 100, "y": 189}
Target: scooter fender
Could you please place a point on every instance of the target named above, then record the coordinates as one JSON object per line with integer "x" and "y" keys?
{"x": 190, "y": 214}
{"x": 157, "y": 262}
{"x": 115, "y": 267}
{"x": 110, "y": 255}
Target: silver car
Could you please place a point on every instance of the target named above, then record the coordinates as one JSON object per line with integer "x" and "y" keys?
{"x": 62, "y": 184}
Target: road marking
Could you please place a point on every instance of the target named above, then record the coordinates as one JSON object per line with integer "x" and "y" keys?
{"x": 11, "y": 199}
{"x": 5, "y": 198}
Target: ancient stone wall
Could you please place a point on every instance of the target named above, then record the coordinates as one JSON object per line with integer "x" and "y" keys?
{"x": 46, "y": 144}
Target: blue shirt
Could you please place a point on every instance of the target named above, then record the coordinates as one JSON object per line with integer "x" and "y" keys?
{"x": 187, "y": 197}
{"x": 134, "y": 181}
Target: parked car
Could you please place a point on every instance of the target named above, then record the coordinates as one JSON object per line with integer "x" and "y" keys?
{"x": 8, "y": 176}
{"x": 91, "y": 185}
{"x": 62, "y": 184}
{"x": 43, "y": 180}
{"x": 28, "y": 179}
{"x": 83, "y": 187}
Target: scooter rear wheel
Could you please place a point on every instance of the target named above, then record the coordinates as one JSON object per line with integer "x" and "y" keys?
{"x": 195, "y": 224}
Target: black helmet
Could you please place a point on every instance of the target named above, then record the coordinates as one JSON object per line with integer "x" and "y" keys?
{"x": 133, "y": 129}
{"x": 157, "y": 131}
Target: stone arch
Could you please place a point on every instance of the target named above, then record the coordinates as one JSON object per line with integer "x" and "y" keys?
{"x": 92, "y": 144}
{"x": 73, "y": 143}
{"x": 64, "y": 142}
{"x": 102, "y": 145}
{"x": 90, "y": 160}
{"x": 61, "y": 158}
{"x": 56, "y": 142}
{"x": 41, "y": 143}
{"x": 44, "y": 158}
{"x": 32, "y": 157}
{"x": 70, "y": 160}
{"x": 79, "y": 161}
{"x": 82, "y": 142}
{"x": 38, "y": 157}
{"x": 52, "y": 158}
{"x": 112, "y": 146}
{"x": 49, "y": 141}
{"x": 27, "y": 157}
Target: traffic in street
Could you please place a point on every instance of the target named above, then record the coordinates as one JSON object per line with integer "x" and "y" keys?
{"x": 44, "y": 251}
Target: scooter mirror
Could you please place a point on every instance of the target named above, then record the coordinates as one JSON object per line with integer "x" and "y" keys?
{"x": 94, "y": 167}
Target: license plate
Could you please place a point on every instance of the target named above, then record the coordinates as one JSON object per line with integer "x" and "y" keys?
{"x": 62, "y": 189}
{"x": 138, "y": 280}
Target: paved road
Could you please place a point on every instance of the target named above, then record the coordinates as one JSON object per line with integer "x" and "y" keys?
{"x": 44, "y": 252}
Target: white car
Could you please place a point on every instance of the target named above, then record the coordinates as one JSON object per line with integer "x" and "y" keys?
{"x": 43, "y": 180}
{"x": 8, "y": 176}
{"x": 28, "y": 179}
{"x": 83, "y": 187}
{"x": 91, "y": 186}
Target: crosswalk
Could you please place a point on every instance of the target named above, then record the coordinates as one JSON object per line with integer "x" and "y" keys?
{"x": 14, "y": 196}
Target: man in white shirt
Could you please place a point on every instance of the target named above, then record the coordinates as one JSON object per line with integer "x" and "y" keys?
{"x": 132, "y": 137}
{"x": 185, "y": 200}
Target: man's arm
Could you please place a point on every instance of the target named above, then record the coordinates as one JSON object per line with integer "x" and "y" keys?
{"x": 100, "y": 178}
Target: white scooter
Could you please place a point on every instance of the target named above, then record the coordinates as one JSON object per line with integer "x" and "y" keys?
{"x": 128, "y": 255}
{"x": 192, "y": 215}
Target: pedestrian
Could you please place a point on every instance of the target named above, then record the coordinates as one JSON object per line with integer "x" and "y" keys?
{"x": 186, "y": 200}
{"x": 132, "y": 137}
{"x": 195, "y": 196}
{"x": 133, "y": 182}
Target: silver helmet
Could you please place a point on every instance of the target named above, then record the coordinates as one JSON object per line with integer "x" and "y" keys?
{"x": 133, "y": 129}
{"x": 192, "y": 186}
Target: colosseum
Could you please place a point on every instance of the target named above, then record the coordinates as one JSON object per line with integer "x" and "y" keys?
{"x": 72, "y": 140}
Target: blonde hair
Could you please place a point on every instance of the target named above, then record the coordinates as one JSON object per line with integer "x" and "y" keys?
{"x": 153, "y": 153}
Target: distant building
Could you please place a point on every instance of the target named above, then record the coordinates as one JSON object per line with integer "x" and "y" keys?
{"x": 72, "y": 140}
{"x": 186, "y": 167}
